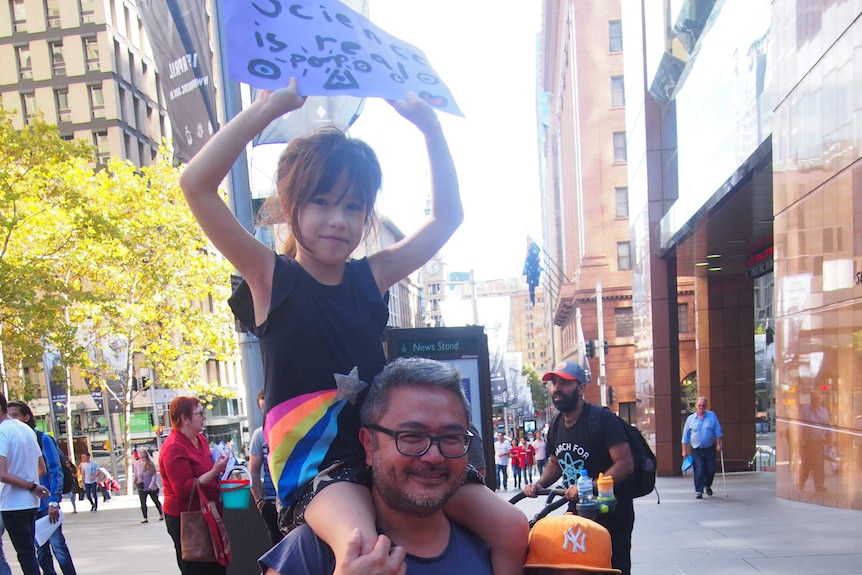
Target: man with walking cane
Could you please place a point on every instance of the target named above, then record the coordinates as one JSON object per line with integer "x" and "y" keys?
{"x": 703, "y": 431}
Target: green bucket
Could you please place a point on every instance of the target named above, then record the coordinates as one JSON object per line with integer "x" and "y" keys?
{"x": 235, "y": 493}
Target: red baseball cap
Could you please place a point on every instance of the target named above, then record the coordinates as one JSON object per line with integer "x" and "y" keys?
{"x": 569, "y": 370}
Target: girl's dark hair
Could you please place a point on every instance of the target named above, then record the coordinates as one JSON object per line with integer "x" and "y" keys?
{"x": 310, "y": 166}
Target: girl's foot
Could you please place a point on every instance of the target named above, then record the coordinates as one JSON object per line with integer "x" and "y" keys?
{"x": 161, "y": 517}
{"x": 145, "y": 521}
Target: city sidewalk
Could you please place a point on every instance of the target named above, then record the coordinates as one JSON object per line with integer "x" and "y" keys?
{"x": 112, "y": 541}
{"x": 750, "y": 531}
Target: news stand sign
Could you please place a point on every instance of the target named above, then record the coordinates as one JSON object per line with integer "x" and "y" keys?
{"x": 467, "y": 349}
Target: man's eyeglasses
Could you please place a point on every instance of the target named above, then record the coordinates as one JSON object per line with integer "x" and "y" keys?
{"x": 202, "y": 413}
{"x": 417, "y": 444}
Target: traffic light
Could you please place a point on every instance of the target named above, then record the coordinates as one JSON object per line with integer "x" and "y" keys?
{"x": 605, "y": 343}
{"x": 134, "y": 384}
{"x": 589, "y": 351}
{"x": 61, "y": 427}
{"x": 152, "y": 420}
{"x": 611, "y": 395}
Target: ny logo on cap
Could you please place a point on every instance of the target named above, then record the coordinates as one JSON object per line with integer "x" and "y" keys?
{"x": 578, "y": 540}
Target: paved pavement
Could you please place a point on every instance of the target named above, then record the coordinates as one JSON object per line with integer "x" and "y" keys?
{"x": 750, "y": 531}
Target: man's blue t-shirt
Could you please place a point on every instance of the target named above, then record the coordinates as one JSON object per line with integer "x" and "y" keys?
{"x": 301, "y": 551}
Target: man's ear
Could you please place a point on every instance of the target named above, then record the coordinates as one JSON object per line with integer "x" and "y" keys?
{"x": 365, "y": 438}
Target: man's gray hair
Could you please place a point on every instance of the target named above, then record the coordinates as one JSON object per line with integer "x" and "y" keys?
{"x": 407, "y": 371}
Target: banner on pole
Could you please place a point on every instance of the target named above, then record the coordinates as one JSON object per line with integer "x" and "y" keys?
{"x": 178, "y": 34}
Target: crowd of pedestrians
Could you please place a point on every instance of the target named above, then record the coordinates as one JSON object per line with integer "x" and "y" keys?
{"x": 519, "y": 458}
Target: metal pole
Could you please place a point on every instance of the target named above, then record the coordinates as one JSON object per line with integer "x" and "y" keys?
{"x": 239, "y": 194}
{"x": 155, "y": 392}
{"x": 601, "y": 342}
{"x": 70, "y": 426}
{"x": 475, "y": 303}
{"x": 106, "y": 398}
{"x": 48, "y": 365}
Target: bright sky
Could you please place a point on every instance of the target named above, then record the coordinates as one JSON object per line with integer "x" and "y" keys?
{"x": 486, "y": 53}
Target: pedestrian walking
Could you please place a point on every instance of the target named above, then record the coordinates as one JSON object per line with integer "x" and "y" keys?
{"x": 528, "y": 455}
{"x": 147, "y": 483}
{"x": 515, "y": 456}
{"x": 21, "y": 465}
{"x": 89, "y": 475}
{"x": 540, "y": 447}
{"x": 703, "y": 432}
{"x": 50, "y": 506}
{"x": 501, "y": 460}
{"x": 572, "y": 447}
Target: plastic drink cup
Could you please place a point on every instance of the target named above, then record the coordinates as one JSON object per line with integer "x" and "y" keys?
{"x": 605, "y": 484}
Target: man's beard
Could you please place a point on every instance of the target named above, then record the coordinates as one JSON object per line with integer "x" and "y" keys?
{"x": 394, "y": 491}
{"x": 567, "y": 402}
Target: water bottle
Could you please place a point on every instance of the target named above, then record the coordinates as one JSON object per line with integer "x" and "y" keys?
{"x": 585, "y": 488}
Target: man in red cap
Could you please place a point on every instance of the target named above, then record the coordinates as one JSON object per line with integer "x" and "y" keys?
{"x": 585, "y": 436}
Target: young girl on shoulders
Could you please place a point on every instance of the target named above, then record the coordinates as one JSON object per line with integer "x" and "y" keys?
{"x": 320, "y": 316}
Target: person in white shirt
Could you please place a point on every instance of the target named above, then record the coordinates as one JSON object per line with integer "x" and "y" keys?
{"x": 21, "y": 465}
{"x": 541, "y": 448}
{"x": 501, "y": 459}
{"x": 90, "y": 474}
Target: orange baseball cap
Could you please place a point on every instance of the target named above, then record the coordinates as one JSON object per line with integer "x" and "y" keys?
{"x": 570, "y": 542}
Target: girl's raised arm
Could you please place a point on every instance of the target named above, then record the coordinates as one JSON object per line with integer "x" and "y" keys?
{"x": 398, "y": 261}
{"x": 203, "y": 175}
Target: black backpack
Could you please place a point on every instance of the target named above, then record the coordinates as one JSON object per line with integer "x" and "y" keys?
{"x": 642, "y": 480}
{"x": 69, "y": 479}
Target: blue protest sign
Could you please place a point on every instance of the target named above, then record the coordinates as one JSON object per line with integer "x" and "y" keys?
{"x": 329, "y": 49}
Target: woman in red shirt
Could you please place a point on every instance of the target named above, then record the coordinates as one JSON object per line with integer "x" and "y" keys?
{"x": 515, "y": 459}
{"x": 185, "y": 456}
{"x": 528, "y": 457}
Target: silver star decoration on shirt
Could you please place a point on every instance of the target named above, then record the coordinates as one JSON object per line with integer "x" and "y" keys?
{"x": 348, "y": 385}
{"x": 324, "y": 476}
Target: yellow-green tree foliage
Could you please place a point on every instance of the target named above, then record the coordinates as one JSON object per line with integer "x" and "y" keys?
{"x": 158, "y": 286}
{"x": 44, "y": 214}
{"x": 159, "y": 292}
{"x": 89, "y": 256}
{"x": 539, "y": 391}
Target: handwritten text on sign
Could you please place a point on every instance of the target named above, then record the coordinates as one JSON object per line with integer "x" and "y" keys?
{"x": 329, "y": 48}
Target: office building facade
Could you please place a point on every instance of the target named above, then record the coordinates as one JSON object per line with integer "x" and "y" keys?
{"x": 742, "y": 125}
{"x": 743, "y": 168}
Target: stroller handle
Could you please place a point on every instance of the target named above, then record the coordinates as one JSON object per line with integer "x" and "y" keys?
{"x": 552, "y": 493}
{"x": 556, "y": 498}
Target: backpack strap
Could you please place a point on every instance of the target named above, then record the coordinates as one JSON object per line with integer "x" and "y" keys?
{"x": 594, "y": 420}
